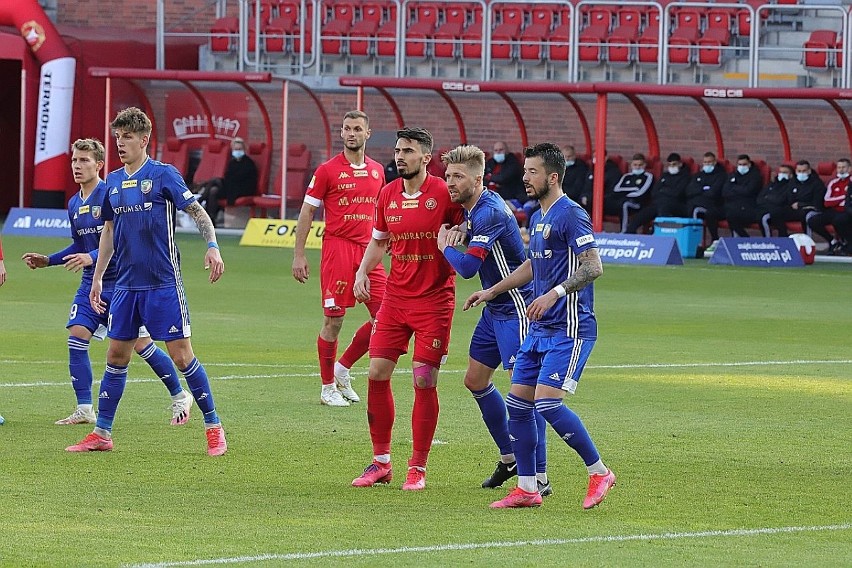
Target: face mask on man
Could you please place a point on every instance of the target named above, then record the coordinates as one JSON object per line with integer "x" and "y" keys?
{"x": 637, "y": 171}
{"x": 743, "y": 170}
{"x": 569, "y": 163}
{"x": 708, "y": 169}
{"x": 499, "y": 158}
{"x": 844, "y": 175}
{"x": 673, "y": 170}
{"x": 782, "y": 177}
{"x": 802, "y": 177}
{"x": 237, "y": 154}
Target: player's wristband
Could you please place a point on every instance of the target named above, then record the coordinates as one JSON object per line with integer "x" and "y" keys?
{"x": 212, "y": 245}
{"x": 560, "y": 290}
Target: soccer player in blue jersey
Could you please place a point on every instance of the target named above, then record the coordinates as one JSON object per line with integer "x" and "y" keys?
{"x": 495, "y": 249}
{"x": 139, "y": 216}
{"x": 85, "y": 210}
{"x": 563, "y": 262}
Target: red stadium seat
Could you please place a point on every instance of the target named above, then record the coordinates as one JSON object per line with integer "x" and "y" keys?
{"x": 427, "y": 12}
{"x": 274, "y": 34}
{"x": 601, "y": 16}
{"x": 544, "y": 14}
{"x": 342, "y": 11}
{"x": 223, "y": 35}
{"x": 298, "y": 169}
{"x": 260, "y": 153}
{"x": 648, "y": 50}
{"x": 622, "y": 42}
{"x": 509, "y": 14}
{"x": 214, "y": 161}
{"x": 455, "y": 14}
{"x": 502, "y": 39}
{"x": 418, "y": 37}
{"x": 373, "y": 11}
{"x": 590, "y": 46}
{"x": 447, "y": 40}
{"x": 721, "y": 18}
{"x": 681, "y": 43}
{"x": 332, "y": 36}
{"x": 629, "y": 16}
{"x": 531, "y": 44}
{"x": 819, "y": 49}
{"x": 176, "y": 153}
{"x": 361, "y": 36}
{"x": 386, "y": 40}
{"x": 557, "y": 43}
{"x": 472, "y": 42}
{"x": 710, "y": 46}
{"x": 688, "y": 17}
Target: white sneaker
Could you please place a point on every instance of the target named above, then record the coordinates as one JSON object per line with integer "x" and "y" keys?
{"x": 344, "y": 385}
{"x": 181, "y": 408}
{"x": 79, "y": 416}
{"x": 712, "y": 248}
{"x": 330, "y": 396}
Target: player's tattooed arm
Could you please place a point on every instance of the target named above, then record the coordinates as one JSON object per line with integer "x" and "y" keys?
{"x": 590, "y": 268}
{"x": 202, "y": 221}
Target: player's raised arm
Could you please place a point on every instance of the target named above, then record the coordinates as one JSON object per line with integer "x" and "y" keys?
{"x": 301, "y": 271}
{"x": 106, "y": 248}
{"x": 213, "y": 259}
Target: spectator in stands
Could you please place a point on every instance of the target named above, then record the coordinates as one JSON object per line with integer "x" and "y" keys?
{"x": 391, "y": 173}
{"x": 740, "y": 195}
{"x": 668, "y": 198}
{"x": 704, "y": 194}
{"x": 612, "y": 173}
{"x": 504, "y": 174}
{"x": 574, "y": 182}
{"x": 632, "y": 191}
{"x": 806, "y": 197}
{"x": 833, "y": 211}
{"x": 240, "y": 180}
{"x": 773, "y": 200}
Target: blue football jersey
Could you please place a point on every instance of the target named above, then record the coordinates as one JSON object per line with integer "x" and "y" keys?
{"x": 142, "y": 206}
{"x": 87, "y": 222}
{"x": 492, "y": 226}
{"x": 557, "y": 236}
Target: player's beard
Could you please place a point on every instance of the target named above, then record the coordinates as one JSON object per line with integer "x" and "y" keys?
{"x": 354, "y": 146}
{"x": 409, "y": 175}
{"x": 537, "y": 193}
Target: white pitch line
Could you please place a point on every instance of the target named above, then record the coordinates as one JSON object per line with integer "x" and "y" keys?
{"x": 445, "y": 371}
{"x": 505, "y": 544}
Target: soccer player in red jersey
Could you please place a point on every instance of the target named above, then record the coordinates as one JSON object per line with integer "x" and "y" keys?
{"x": 419, "y": 301}
{"x": 346, "y": 186}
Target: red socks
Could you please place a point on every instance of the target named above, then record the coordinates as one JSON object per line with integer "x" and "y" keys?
{"x": 424, "y": 421}
{"x": 327, "y": 351}
{"x": 359, "y": 346}
{"x": 380, "y": 415}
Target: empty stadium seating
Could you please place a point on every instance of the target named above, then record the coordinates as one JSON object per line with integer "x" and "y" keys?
{"x": 176, "y": 152}
{"x": 214, "y": 160}
{"x": 298, "y": 170}
{"x": 819, "y": 49}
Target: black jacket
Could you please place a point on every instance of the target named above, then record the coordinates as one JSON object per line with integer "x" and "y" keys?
{"x": 672, "y": 187}
{"x": 740, "y": 191}
{"x": 507, "y": 178}
{"x": 636, "y": 187}
{"x": 574, "y": 182}
{"x": 776, "y": 194}
{"x": 808, "y": 193}
{"x": 706, "y": 188}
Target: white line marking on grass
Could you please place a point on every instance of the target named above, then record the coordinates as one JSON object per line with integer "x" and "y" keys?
{"x": 505, "y": 544}
{"x": 402, "y": 370}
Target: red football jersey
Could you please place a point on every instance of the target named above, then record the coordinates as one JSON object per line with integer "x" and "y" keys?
{"x": 419, "y": 272}
{"x": 348, "y": 194}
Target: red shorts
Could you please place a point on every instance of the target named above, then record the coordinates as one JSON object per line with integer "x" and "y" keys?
{"x": 395, "y": 326}
{"x": 340, "y": 261}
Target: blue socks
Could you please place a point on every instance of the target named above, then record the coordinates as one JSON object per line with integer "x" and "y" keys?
{"x": 80, "y": 368}
{"x": 541, "y": 446}
{"x": 569, "y": 427}
{"x": 112, "y": 387}
{"x": 524, "y": 432}
{"x": 493, "y": 409}
{"x": 199, "y": 386}
{"x": 163, "y": 366}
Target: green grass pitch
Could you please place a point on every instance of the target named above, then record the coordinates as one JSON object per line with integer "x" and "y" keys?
{"x": 721, "y": 398}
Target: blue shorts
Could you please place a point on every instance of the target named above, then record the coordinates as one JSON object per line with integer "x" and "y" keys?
{"x": 82, "y": 313}
{"x": 163, "y": 311}
{"x": 496, "y": 340}
{"x": 552, "y": 360}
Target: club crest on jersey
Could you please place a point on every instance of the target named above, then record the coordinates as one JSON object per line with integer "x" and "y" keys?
{"x": 436, "y": 344}
{"x": 546, "y": 232}
{"x": 129, "y": 183}
{"x": 147, "y": 185}
{"x": 431, "y": 203}
{"x": 375, "y": 174}
{"x": 96, "y": 211}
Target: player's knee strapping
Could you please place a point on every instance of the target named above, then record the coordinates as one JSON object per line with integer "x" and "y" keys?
{"x": 424, "y": 377}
